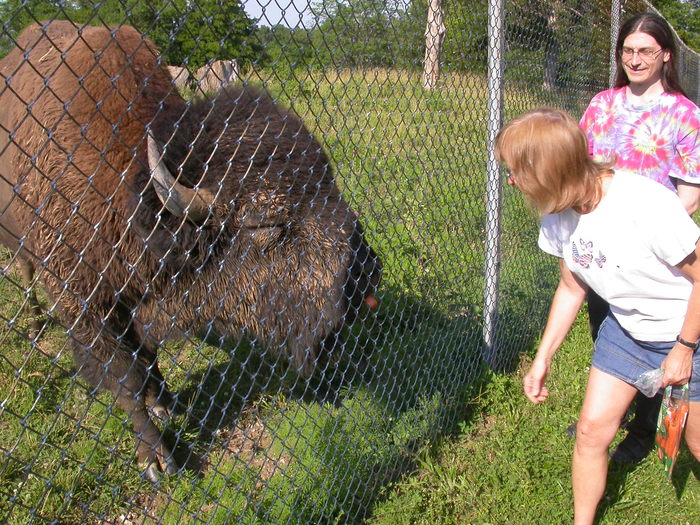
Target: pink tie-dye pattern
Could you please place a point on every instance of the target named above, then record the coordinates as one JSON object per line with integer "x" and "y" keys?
{"x": 659, "y": 141}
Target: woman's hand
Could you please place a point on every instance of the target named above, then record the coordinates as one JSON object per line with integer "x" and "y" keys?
{"x": 679, "y": 362}
{"x": 533, "y": 382}
{"x": 677, "y": 366}
{"x": 566, "y": 303}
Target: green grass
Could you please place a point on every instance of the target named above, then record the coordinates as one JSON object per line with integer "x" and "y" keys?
{"x": 511, "y": 463}
{"x": 261, "y": 444}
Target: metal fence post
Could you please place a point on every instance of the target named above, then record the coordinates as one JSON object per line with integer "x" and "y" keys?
{"x": 493, "y": 182}
{"x": 614, "y": 31}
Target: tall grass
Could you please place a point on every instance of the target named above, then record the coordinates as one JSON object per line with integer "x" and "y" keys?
{"x": 261, "y": 444}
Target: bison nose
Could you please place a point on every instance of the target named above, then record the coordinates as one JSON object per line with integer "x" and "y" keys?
{"x": 371, "y": 302}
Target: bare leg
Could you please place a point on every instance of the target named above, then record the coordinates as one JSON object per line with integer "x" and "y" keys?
{"x": 692, "y": 429}
{"x": 606, "y": 402}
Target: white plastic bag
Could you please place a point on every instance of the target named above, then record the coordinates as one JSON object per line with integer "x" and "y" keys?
{"x": 650, "y": 382}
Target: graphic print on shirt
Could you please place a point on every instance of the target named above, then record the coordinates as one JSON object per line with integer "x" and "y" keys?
{"x": 600, "y": 260}
{"x": 585, "y": 256}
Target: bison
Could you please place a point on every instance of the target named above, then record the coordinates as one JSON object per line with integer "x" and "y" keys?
{"x": 212, "y": 77}
{"x": 149, "y": 218}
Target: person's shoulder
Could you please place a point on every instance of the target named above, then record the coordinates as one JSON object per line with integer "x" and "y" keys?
{"x": 642, "y": 190}
{"x": 679, "y": 101}
{"x": 630, "y": 178}
{"x": 602, "y": 103}
{"x": 555, "y": 230}
{"x": 606, "y": 102}
{"x": 563, "y": 219}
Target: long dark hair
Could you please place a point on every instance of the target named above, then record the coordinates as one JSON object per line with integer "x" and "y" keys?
{"x": 656, "y": 27}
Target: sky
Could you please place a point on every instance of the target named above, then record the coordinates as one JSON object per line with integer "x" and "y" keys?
{"x": 270, "y": 12}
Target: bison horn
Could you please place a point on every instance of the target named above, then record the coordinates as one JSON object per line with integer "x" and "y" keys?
{"x": 179, "y": 200}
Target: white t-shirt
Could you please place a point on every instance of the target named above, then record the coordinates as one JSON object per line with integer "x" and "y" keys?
{"x": 626, "y": 251}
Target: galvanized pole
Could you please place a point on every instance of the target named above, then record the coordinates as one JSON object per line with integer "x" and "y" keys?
{"x": 615, "y": 10}
{"x": 493, "y": 181}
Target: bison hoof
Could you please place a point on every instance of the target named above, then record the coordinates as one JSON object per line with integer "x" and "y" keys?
{"x": 161, "y": 411}
{"x": 162, "y": 462}
{"x": 155, "y": 470}
{"x": 170, "y": 468}
{"x": 152, "y": 473}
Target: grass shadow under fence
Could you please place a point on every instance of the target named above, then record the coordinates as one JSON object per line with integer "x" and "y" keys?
{"x": 273, "y": 447}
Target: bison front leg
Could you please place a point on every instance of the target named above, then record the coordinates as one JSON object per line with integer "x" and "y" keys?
{"x": 157, "y": 397}
{"x": 33, "y": 308}
{"x": 109, "y": 365}
{"x": 153, "y": 454}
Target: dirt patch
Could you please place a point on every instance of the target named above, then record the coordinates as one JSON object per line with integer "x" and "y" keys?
{"x": 250, "y": 444}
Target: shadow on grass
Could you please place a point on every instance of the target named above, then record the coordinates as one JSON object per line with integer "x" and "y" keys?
{"x": 686, "y": 465}
{"x": 617, "y": 478}
{"x": 384, "y": 389}
{"x": 394, "y": 354}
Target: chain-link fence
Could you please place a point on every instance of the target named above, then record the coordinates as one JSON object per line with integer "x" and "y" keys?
{"x": 258, "y": 306}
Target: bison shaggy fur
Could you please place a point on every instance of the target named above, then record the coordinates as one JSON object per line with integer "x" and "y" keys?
{"x": 243, "y": 231}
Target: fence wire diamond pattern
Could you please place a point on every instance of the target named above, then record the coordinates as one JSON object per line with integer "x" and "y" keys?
{"x": 245, "y": 273}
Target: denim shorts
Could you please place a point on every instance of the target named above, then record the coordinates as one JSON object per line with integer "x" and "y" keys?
{"x": 618, "y": 354}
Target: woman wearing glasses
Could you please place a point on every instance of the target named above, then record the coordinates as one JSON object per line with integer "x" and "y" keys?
{"x": 633, "y": 242}
{"x": 646, "y": 125}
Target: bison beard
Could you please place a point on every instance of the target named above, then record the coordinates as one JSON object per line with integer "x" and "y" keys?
{"x": 148, "y": 217}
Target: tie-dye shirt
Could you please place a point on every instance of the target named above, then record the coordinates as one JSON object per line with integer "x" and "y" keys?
{"x": 660, "y": 140}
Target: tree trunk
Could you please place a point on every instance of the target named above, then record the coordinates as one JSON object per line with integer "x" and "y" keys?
{"x": 434, "y": 35}
{"x": 551, "y": 55}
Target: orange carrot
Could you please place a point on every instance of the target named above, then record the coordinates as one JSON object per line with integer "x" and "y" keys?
{"x": 674, "y": 411}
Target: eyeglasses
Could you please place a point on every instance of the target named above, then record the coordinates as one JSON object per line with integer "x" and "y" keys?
{"x": 645, "y": 53}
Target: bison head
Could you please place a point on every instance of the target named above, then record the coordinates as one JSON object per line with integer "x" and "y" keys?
{"x": 249, "y": 217}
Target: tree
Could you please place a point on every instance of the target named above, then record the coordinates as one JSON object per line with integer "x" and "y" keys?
{"x": 434, "y": 36}
{"x": 560, "y": 45}
{"x": 684, "y": 17}
{"x": 187, "y": 32}
{"x": 192, "y": 33}
{"x": 362, "y": 33}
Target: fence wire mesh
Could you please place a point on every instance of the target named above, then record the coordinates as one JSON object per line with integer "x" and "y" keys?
{"x": 255, "y": 254}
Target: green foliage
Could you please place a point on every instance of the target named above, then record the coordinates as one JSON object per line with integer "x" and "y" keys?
{"x": 372, "y": 33}
{"x": 685, "y": 19}
{"x": 176, "y": 27}
{"x": 286, "y": 49}
{"x": 556, "y": 48}
{"x": 466, "y": 40}
{"x": 364, "y": 33}
{"x": 187, "y": 33}
{"x": 17, "y": 14}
